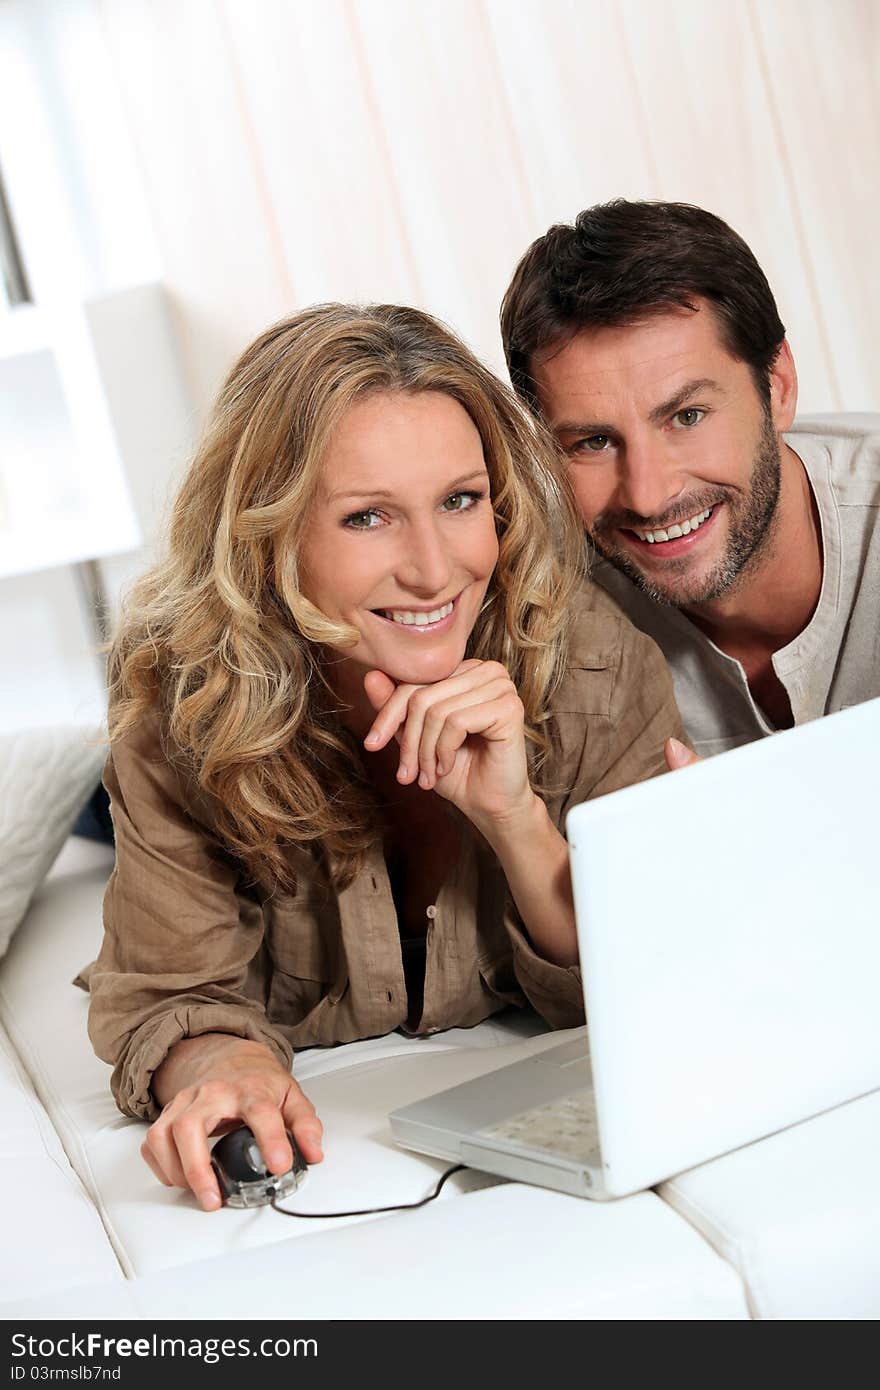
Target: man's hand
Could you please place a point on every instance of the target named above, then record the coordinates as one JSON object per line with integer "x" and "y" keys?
{"x": 679, "y": 755}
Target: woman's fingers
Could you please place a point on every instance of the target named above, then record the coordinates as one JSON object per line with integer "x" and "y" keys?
{"x": 390, "y": 717}
{"x": 395, "y": 709}
{"x": 430, "y": 705}
{"x": 191, "y": 1139}
{"x": 484, "y": 719}
{"x": 304, "y": 1125}
{"x": 155, "y": 1166}
{"x": 177, "y": 1147}
{"x": 266, "y": 1122}
{"x": 448, "y": 723}
{"x": 159, "y": 1149}
{"x": 379, "y": 688}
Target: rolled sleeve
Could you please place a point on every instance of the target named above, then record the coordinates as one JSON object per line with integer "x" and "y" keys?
{"x": 554, "y": 990}
{"x": 180, "y": 931}
{"x": 147, "y": 1047}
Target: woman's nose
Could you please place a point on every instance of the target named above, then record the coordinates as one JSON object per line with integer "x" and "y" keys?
{"x": 425, "y": 564}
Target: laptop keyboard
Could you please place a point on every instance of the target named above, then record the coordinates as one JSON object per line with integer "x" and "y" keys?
{"x": 565, "y": 1127}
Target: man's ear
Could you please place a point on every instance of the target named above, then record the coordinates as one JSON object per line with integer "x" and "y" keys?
{"x": 783, "y": 388}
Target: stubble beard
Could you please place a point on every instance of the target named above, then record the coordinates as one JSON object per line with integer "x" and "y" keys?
{"x": 752, "y": 522}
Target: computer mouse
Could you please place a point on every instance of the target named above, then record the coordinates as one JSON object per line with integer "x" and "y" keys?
{"x": 243, "y": 1177}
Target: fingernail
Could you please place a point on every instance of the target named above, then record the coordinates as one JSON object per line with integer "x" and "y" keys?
{"x": 209, "y": 1200}
{"x": 401, "y": 772}
{"x": 424, "y": 781}
{"x": 678, "y": 750}
{"x": 371, "y": 739}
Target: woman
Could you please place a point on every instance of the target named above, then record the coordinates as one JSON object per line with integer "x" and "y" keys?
{"x": 349, "y": 712}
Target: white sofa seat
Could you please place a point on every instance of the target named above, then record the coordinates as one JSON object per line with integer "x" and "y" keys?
{"x": 630, "y": 1259}
{"x": 52, "y": 1234}
{"x": 507, "y": 1252}
{"x": 798, "y": 1214}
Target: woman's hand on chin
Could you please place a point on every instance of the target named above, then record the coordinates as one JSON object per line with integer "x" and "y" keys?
{"x": 461, "y": 737}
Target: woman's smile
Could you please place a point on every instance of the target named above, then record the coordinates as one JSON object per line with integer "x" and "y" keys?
{"x": 421, "y": 622}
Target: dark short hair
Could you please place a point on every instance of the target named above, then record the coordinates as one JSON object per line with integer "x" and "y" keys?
{"x": 621, "y": 262}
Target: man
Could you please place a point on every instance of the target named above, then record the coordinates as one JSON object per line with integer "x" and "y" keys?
{"x": 747, "y": 545}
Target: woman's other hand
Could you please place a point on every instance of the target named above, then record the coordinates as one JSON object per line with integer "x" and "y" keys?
{"x": 208, "y": 1084}
{"x": 461, "y": 737}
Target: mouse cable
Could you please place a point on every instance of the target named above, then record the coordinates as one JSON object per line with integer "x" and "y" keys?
{"x": 369, "y": 1211}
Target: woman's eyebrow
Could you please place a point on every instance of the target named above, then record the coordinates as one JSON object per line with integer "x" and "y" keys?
{"x": 370, "y": 492}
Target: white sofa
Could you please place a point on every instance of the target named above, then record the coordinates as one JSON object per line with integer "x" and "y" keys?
{"x": 789, "y": 1227}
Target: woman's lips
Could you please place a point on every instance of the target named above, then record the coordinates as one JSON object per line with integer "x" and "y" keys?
{"x": 418, "y": 626}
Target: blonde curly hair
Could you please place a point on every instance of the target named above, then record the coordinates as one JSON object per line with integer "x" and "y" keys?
{"x": 219, "y": 639}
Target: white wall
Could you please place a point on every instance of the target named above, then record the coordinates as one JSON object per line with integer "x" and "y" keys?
{"x": 259, "y": 155}
{"x": 411, "y": 149}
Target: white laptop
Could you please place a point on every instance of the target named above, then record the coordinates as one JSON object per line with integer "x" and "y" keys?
{"x": 728, "y": 920}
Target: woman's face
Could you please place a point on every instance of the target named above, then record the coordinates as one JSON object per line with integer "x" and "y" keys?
{"x": 401, "y": 541}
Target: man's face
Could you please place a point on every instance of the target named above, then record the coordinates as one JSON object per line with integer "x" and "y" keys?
{"x": 673, "y": 456}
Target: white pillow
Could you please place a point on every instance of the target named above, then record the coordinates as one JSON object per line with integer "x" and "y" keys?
{"x": 46, "y": 775}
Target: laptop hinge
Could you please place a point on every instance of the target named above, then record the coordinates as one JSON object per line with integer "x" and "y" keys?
{"x": 567, "y": 1177}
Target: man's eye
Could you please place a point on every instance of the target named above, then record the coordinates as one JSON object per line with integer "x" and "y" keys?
{"x": 461, "y": 501}
{"x": 363, "y": 521}
{"x": 687, "y": 418}
{"x": 596, "y": 443}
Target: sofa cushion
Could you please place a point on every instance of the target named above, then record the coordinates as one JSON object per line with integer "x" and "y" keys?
{"x": 52, "y": 1234}
{"x": 798, "y": 1214}
{"x": 45, "y": 776}
{"x": 507, "y": 1252}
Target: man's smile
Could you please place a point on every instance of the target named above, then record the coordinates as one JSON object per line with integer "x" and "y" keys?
{"x": 677, "y": 538}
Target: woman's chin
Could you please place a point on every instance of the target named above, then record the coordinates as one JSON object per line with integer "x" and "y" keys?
{"x": 425, "y": 668}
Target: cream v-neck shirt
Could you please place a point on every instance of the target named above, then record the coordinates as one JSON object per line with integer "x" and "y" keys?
{"x": 835, "y": 661}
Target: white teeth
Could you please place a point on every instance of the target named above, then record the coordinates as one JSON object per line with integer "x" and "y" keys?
{"x": 681, "y": 528}
{"x": 407, "y": 618}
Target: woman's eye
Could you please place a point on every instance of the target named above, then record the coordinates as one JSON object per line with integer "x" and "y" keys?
{"x": 363, "y": 521}
{"x": 687, "y": 418}
{"x": 461, "y": 501}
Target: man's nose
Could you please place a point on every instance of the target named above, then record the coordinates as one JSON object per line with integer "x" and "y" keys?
{"x": 425, "y": 565}
{"x": 649, "y": 480}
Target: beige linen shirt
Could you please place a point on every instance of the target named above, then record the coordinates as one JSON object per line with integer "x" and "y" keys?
{"x": 835, "y": 661}
{"x": 190, "y": 948}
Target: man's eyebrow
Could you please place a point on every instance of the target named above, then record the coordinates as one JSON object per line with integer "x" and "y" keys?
{"x": 378, "y": 492}
{"x": 583, "y": 427}
{"x": 690, "y": 388}
{"x": 669, "y": 407}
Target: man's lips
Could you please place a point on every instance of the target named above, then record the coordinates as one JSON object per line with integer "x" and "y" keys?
{"x": 678, "y": 545}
